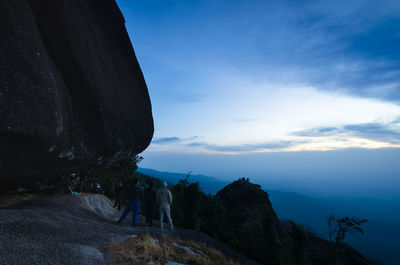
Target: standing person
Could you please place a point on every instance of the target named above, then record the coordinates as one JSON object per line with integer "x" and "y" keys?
{"x": 97, "y": 187}
{"x": 150, "y": 203}
{"x": 165, "y": 199}
{"x": 118, "y": 195}
{"x": 135, "y": 195}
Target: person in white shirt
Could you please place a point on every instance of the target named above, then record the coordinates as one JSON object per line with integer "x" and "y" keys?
{"x": 164, "y": 199}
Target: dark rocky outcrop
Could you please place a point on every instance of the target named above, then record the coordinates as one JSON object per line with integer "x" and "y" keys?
{"x": 260, "y": 235}
{"x": 252, "y": 220}
{"x": 72, "y": 93}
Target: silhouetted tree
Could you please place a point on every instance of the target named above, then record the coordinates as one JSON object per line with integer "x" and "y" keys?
{"x": 340, "y": 227}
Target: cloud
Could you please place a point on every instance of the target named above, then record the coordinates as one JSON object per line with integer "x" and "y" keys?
{"x": 188, "y": 98}
{"x": 373, "y": 131}
{"x": 243, "y": 147}
{"x": 195, "y": 144}
{"x": 332, "y": 45}
{"x": 276, "y": 116}
{"x": 313, "y": 67}
{"x": 166, "y": 140}
{"x": 173, "y": 140}
{"x": 317, "y": 132}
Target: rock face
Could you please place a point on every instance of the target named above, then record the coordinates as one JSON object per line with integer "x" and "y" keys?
{"x": 260, "y": 235}
{"x": 252, "y": 220}
{"x": 72, "y": 93}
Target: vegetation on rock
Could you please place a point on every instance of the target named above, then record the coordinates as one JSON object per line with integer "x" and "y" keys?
{"x": 144, "y": 249}
{"x": 242, "y": 217}
{"x": 340, "y": 227}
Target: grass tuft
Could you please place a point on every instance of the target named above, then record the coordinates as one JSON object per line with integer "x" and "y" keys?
{"x": 144, "y": 249}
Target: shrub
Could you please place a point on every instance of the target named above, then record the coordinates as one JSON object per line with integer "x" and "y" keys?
{"x": 340, "y": 227}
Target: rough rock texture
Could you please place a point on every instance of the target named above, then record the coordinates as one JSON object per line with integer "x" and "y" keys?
{"x": 72, "y": 93}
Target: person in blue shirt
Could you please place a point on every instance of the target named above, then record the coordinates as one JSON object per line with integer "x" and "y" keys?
{"x": 135, "y": 194}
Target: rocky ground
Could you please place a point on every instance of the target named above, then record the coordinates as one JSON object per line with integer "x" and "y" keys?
{"x": 70, "y": 229}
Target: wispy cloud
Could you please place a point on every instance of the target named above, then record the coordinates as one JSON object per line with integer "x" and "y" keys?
{"x": 243, "y": 147}
{"x": 188, "y": 98}
{"x": 166, "y": 140}
{"x": 317, "y": 132}
{"x": 389, "y": 133}
{"x": 375, "y": 131}
{"x": 174, "y": 140}
{"x": 332, "y": 45}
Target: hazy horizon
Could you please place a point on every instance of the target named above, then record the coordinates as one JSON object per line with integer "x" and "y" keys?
{"x": 345, "y": 173}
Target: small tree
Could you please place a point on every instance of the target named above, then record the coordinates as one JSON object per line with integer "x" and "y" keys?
{"x": 108, "y": 176}
{"x": 340, "y": 227}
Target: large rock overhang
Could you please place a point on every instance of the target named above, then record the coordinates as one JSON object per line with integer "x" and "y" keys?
{"x": 72, "y": 94}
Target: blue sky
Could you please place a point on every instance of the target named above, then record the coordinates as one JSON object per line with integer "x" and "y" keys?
{"x": 242, "y": 78}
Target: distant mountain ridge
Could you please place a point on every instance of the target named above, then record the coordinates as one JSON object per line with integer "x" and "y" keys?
{"x": 241, "y": 216}
{"x": 210, "y": 185}
{"x": 382, "y": 230}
